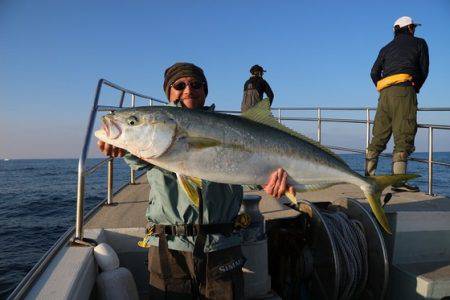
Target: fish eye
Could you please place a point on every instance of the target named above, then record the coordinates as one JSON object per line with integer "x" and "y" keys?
{"x": 132, "y": 120}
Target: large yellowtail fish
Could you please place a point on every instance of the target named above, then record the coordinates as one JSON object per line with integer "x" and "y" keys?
{"x": 235, "y": 150}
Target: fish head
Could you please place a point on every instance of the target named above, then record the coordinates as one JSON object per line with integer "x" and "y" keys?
{"x": 144, "y": 133}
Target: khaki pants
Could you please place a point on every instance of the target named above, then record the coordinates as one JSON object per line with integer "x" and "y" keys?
{"x": 396, "y": 114}
{"x": 218, "y": 277}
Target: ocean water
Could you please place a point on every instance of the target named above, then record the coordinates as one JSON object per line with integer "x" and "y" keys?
{"x": 38, "y": 202}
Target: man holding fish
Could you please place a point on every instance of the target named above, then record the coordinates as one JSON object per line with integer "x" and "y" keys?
{"x": 194, "y": 250}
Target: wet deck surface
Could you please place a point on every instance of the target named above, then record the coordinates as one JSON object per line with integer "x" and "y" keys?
{"x": 132, "y": 203}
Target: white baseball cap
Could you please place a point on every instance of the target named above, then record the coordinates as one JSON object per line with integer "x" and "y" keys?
{"x": 405, "y": 21}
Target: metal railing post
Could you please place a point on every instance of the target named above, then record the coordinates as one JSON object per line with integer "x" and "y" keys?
{"x": 132, "y": 172}
{"x": 319, "y": 125}
{"x": 367, "y": 127}
{"x": 430, "y": 160}
{"x": 82, "y": 173}
{"x": 279, "y": 115}
{"x": 110, "y": 181}
{"x": 132, "y": 176}
{"x": 367, "y": 135}
{"x": 79, "y": 221}
{"x": 122, "y": 97}
{"x": 80, "y": 205}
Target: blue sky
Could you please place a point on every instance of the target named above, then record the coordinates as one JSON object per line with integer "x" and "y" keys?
{"x": 52, "y": 54}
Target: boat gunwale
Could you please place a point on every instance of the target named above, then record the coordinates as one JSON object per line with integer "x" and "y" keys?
{"x": 27, "y": 282}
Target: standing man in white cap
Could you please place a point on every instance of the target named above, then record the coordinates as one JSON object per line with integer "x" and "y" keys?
{"x": 398, "y": 73}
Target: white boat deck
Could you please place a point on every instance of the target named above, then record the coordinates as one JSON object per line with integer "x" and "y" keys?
{"x": 419, "y": 249}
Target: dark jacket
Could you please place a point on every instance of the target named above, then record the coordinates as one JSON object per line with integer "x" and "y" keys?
{"x": 254, "y": 88}
{"x": 404, "y": 54}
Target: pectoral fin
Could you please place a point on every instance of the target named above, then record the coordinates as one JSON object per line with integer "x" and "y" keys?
{"x": 201, "y": 142}
{"x": 189, "y": 185}
{"x": 291, "y": 197}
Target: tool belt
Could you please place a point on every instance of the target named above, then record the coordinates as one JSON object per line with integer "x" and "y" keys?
{"x": 242, "y": 221}
{"x": 194, "y": 229}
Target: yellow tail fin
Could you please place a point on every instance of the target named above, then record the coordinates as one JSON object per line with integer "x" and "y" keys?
{"x": 374, "y": 195}
{"x": 383, "y": 181}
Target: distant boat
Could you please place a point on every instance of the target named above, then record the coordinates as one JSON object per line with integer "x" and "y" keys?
{"x": 5, "y": 159}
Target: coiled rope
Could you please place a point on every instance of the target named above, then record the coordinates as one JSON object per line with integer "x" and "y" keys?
{"x": 348, "y": 236}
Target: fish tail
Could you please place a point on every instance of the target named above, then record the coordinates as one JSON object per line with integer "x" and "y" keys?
{"x": 383, "y": 181}
{"x": 373, "y": 195}
{"x": 375, "y": 204}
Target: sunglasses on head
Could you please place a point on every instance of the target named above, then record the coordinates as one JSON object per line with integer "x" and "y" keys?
{"x": 179, "y": 86}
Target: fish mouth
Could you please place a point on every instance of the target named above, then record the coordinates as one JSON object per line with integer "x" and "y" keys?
{"x": 111, "y": 129}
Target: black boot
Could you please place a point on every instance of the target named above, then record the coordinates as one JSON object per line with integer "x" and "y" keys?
{"x": 399, "y": 167}
{"x": 404, "y": 187}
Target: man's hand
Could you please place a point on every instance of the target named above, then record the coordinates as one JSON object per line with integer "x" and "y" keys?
{"x": 276, "y": 185}
{"x": 110, "y": 150}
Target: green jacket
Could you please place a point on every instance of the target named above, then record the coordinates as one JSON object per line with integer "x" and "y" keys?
{"x": 169, "y": 205}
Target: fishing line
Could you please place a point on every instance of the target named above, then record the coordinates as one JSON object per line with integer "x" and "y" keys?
{"x": 348, "y": 236}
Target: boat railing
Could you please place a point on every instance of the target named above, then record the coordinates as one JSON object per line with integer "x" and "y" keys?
{"x": 82, "y": 170}
{"x": 278, "y": 113}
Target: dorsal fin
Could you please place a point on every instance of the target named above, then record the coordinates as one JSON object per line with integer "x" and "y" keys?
{"x": 261, "y": 113}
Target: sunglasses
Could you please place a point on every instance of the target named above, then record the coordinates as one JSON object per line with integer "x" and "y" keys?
{"x": 179, "y": 86}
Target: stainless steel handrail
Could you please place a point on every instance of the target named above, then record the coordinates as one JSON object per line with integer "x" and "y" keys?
{"x": 386, "y": 155}
{"x": 368, "y": 123}
{"x": 319, "y": 119}
{"x": 324, "y": 108}
{"x": 95, "y": 167}
{"x": 82, "y": 172}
